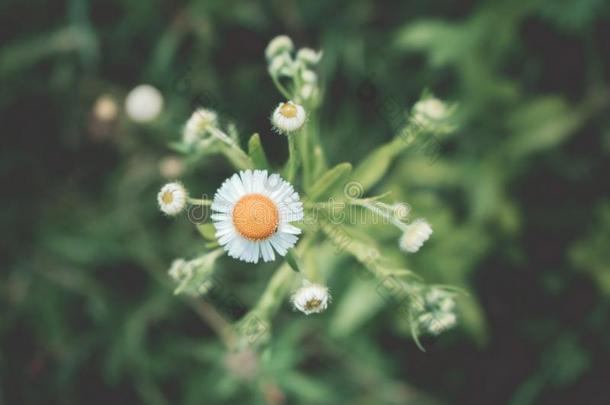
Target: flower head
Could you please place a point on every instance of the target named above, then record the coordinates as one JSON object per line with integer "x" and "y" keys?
{"x": 172, "y": 198}
{"x": 288, "y": 117}
{"x": 201, "y": 120}
{"x": 252, "y": 215}
{"x": 415, "y": 235}
{"x": 278, "y": 45}
{"x": 144, "y": 103}
{"x": 311, "y": 298}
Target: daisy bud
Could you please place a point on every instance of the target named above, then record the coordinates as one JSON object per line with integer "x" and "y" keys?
{"x": 180, "y": 271}
{"x": 415, "y": 235}
{"x": 144, "y": 103}
{"x": 309, "y": 56}
{"x": 309, "y": 76}
{"x": 288, "y": 117}
{"x": 278, "y": 45}
{"x": 105, "y": 108}
{"x": 311, "y": 298}
{"x": 195, "y": 127}
{"x": 282, "y": 65}
{"x": 437, "y": 322}
{"x": 429, "y": 111}
{"x": 172, "y": 198}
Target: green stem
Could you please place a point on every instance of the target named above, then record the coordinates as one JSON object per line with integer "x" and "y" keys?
{"x": 293, "y": 159}
{"x": 281, "y": 87}
{"x": 199, "y": 201}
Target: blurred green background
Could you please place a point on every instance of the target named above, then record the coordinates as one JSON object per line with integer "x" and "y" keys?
{"x": 518, "y": 198}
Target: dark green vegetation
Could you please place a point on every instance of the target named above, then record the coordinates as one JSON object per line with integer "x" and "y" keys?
{"x": 519, "y": 201}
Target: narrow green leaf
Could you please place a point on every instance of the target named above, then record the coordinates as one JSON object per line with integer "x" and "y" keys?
{"x": 208, "y": 231}
{"x": 330, "y": 180}
{"x": 292, "y": 259}
{"x": 257, "y": 153}
{"x": 376, "y": 165}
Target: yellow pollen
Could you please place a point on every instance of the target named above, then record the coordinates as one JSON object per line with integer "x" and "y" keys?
{"x": 256, "y": 217}
{"x": 167, "y": 197}
{"x": 312, "y": 304}
{"x": 288, "y": 110}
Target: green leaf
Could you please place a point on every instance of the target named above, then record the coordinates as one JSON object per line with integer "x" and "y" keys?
{"x": 208, "y": 231}
{"x": 330, "y": 180}
{"x": 292, "y": 259}
{"x": 376, "y": 165}
{"x": 257, "y": 153}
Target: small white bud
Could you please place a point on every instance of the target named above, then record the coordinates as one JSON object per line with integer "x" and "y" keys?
{"x": 311, "y": 298}
{"x": 201, "y": 120}
{"x": 144, "y": 103}
{"x": 105, "y": 108}
{"x": 180, "y": 271}
{"x": 430, "y": 111}
{"x": 309, "y": 56}
{"x": 288, "y": 117}
{"x": 278, "y": 45}
{"x": 415, "y": 235}
{"x": 172, "y": 198}
{"x": 307, "y": 91}
{"x": 309, "y": 76}
{"x": 282, "y": 65}
{"x": 437, "y": 322}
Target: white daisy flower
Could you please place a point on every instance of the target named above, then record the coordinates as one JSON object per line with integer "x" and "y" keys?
{"x": 311, "y": 298}
{"x": 415, "y": 235}
{"x": 144, "y": 103}
{"x": 279, "y": 45}
{"x": 252, "y": 215}
{"x": 172, "y": 198}
{"x": 200, "y": 121}
{"x": 288, "y": 117}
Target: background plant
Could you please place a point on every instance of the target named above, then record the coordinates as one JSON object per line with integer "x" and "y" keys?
{"x": 518, "y": 201}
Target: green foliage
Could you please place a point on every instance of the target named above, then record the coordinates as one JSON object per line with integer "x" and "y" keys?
{"x": 517, "y": 197}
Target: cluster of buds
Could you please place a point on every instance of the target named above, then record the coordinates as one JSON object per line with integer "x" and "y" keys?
{"x": 194, "y": 277}
{"x": 284, "y": 64}
{"x": 436, "y": 311}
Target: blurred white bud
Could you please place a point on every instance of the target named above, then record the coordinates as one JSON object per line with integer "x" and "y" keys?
{"x": 415, "y": 235}
{"x": 309, "y": 76}
{"x": 311, "y": 298}
{"x": 180, "y": 271}
{"x": 309, "y": 56}
{"x": 172, "y": 198}
{"x": 307, "y": 91}
{"x": 194, "y": 277}
{"x": 144, "y": 103}
{"x": 437, "y": 322}
{"x": 282, "y": 65}
{"x": 430, "y": 111}
{"x": 171, "y": 167}
{"x": 201, "y": 120}
{"x": 279, "y": 45}
{"x": 105, "y": 108}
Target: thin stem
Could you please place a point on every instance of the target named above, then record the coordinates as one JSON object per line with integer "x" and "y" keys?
{"x": 199, "y": 201}
{"x": 281, "y": 87}
{"x": 293, "y": 159}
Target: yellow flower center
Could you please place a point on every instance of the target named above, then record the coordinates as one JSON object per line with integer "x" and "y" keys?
{"x": 167, "y": 197}
{"x": 256, "y": 217}
{"x": 288, "y": 110}
{"x": 312, "y": 304}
